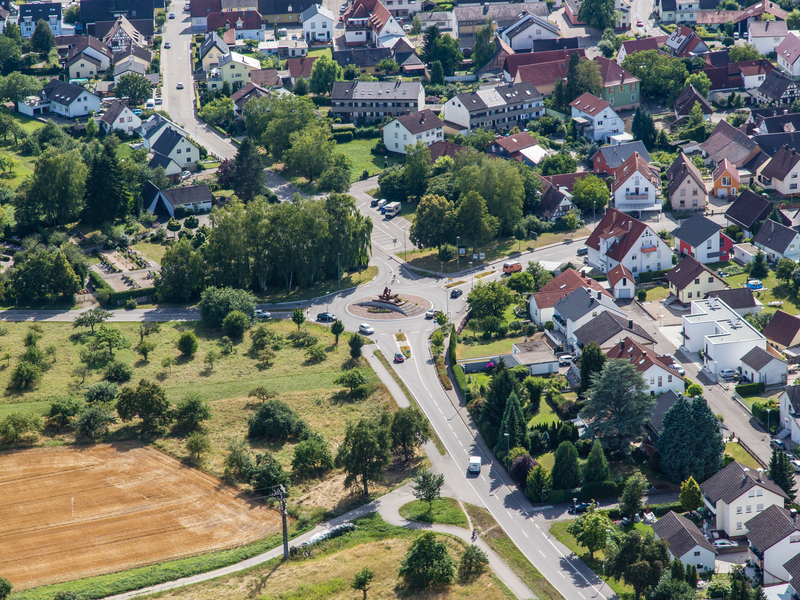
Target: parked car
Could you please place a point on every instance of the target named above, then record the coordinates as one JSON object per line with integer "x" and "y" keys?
{"x": 639, "y": 23}
{"x": 455, "y": 293}
{"x": 583, "y": 250}
{"x": 406, "y": 27}
{"x": 171, "y": 15}
{"x": 374, "y": 202}
{"x": 728, "y": 374}
{"x": 167, "y": 45}
{"x": 796, "y": 465}
{"x": 398, "y": 357}
{"x": 736, "y": 35}
{"x": 185, "y": 175}
{"x": 678, "y": 369}
{"x": 180, "y": 85}
{"x": 577, "y": 509}
{"x": 777, "y": 444}
{"x": 343, "y": 8}
{"x": 431, "y": 314}
{"x": 137, "y": 111}
{"x": 636, "y": 214}
{"x": 159, "y": 101}
{"x": 262, "y": 314}
{"x": 565, "y": 359}
{"x": 326, "y": 317}
{"x": 754, "y": 284}
{"x": 365, "y": 329}
{"x": 187, "y": 6}
{"x": 724, "y": 544}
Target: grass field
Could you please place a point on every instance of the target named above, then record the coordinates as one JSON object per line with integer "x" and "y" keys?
{"x": 320, "y": 52}
{"x": 741, "y": 455}
{"x": 445, "y": 511}
{"x": 777, "y": 290}
{"x": 24, "y": 164}
{"x": 152, "y": 250}
{"x": 657, "y": 293}
{"x": 358, "y": 151}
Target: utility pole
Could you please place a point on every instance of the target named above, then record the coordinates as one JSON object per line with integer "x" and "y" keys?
{"x": 280, "y": 494}
{"x": 458, "y": 254}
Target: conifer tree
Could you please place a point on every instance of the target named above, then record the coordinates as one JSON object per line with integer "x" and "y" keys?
{"x": 566, "y": 470}
{"x": 596, "y": 467}
{"x": 515, "y": 426}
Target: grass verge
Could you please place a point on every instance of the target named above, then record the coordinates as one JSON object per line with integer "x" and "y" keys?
{"x": 445, "y": 511}
{"x": 737, "y": 451}
{"x": 349, "y": 280}
{"x": 497, "y": 539}
{"x": 413, "y": 401}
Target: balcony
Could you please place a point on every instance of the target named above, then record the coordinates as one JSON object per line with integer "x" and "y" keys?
{"x": 560, "y": 320}
{"x": 635, "y": 196}
{"x": 646, "y": 249}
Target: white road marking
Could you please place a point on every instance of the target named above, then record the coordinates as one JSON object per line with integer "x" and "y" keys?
{"x": 537, "y": 526}
{"x": 450, "y": 426}
{"x": 510, "y": 515}
{"x": 542, "y": 553}
{"x": 525, "y": 534}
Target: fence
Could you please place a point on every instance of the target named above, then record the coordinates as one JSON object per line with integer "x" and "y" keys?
{"x": 460, "y": 78}
{"x": 554, "y": 113}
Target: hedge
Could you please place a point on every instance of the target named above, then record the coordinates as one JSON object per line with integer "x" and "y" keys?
{"x": 750, "y": 389}
{"x": 649, "y": 276}
{"x": 367, "y": 133}
{"x": 461, "y": 379}
{"x": 99, "y": 283}
{"x": 451, "y": 350}
{"x": 120, "y": 297}
{"x": 659, "y": 510}
{"x": 598, "y": 489}
{"x": 342, "y": 137}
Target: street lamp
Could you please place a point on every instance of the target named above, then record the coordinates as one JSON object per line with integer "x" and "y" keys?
{"x": 508, "y": 453}
{"x": 458, "y": 253}
{"x": 594, "y": 215}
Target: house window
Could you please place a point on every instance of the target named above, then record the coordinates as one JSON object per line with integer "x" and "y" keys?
{"x": 669, "y": 378}
{"x": 726, "y": 181}
{"x": 697, "y": 281}
{"x": 792, "y": 186}
{"x": 759, "y": 492}
{"x": 710, "y": 280}
{"x": 690, "y": 295}
{"x": 652, "y": 380}
{"x": 633, "y": 97}
{"x": 751, "y": 493}
{"x": 759, "y": 507}
{"x": 694, "y": 192}
{"x": 749, "y": 509}
{"x": 683, "y": 192}
{"x": 179, "y": 151}
{"x": 738, "y": 510}
{"x": 708, "y": 244}
{"x": 659, "y": 381}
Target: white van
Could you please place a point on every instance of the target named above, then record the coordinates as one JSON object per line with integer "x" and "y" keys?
{"x": 392, "y": 209}
{"x": 474, "y": 464}
{"x": 381, "y": 204}
{"x": 150, "y": 104}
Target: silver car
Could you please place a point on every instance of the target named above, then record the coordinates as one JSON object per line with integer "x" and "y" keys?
{"x": 365, "y": 329}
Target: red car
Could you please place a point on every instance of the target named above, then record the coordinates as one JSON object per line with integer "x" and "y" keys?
{"x": 398, "y": 357}
{"x": 639, "y": 23}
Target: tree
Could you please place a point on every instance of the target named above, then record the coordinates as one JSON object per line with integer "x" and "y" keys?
{"x": 433, "y": 222}
{"x": 191, "y": 412}
{"x": 661, "y": 75}
{"x": 364, "y": 453}
{"x": 690, "y": 443}
{"x": 759, "y": 268}
{"x": 747, "y": 52}
{"x": 10, "y": 54}
{"x": 337, "y": 329}
{"x": 174, "y": 225}
{"x": 694, "y": 390}
{"x": 441, "y": 48}
{"x": 418, "y": 158}
{"x": 361, "y": 580}
{"x": 63, "y": 411}
{"x": 352, "y": 379}
{"x": 503, "y": 384}
{"x": 93, "y": 422}
{"x": 57, "y": 187}
{"x": 643, "y": 127}
{"x": 416, "y": 25}
{"x": 182, "y": 272}
{"x": 539, "y": 481}
{"x": 489, "y": 299}
{"x": 197, "y": 444}
{"x": 90, "y": 318}
{"x": 590, "y": 530}
{"x": 596, "y": 467}
{"x": 356, "y": 342}
{"x": 187, "y": 343}
{"x": 483, "y": 48}
{"x": 134, "y": 86}
{"x": 427, "y": 563}
{"x": 630, "y": 503}
{"x": 336, "y": 176}
{"x": 590, "y": 193}
{"x": 16, "y": 425}
{"x": 592, "y": 361}
{"x": 247, "y": 174}
{"x": 639, "y": 560}
{"x": 618, "y": 404}
{"x": 521, "y": 467}
{"x": 515, "y": 425}
{"x": 110, "y": 338}
{"x": 691, "y": 496}
{"x": 670, "y": 588}
{"x": 300, "y": 87}
{"x": 558, "y": 164}
{"x": 312, "y": 457}
{"x": 103, "y": 392}
{"x": 696, "y": 115}
{"x": 473, "y": 562}
{"x": 216, "y": 303}
{"x": 387, "y": 65}
{"x": 43, "y": 39}
{"x": 235, "y": 324}
{"x": 311, "y": 149}
{"x": 598, "y": 14}
{"x": 566, "y": 470}
{"x": 324, "y": 73}
{"x": 781, "y": 472}
{"x": 167, "y": 362}
{"x": 437, "y": 73}
{"x": 107, "y": 195}
{"x": 409, "y": 431}
{"x": 784, "y": 268}
{"x": 5, "y": 588}
{"x": 276, "y": 421}
{"x": 700, "y": 82}
{"x": 428, "y": 487}
{"x": 267, "y": 474}
{"x": 211, "y": 357}
{"x": 146, "y": 401}
{"x": 145, "y": 348}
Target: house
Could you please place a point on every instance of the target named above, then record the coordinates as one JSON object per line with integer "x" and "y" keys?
{"x": 521, "y": 35}
{"x": 720, "y": 332}
{"x": 595, "y": 118}
{"x": 578, "y": 308}
{"x": 235, "y": 68}
{"x": 620, "y": 88}
{"x": 685, "y": 102}
{"x": 367, "y": 101}
{"x": 607, "y": 329}
{"x": 773, "y": 535}
{"x": 686, "y": 541}
{"x": 405, "y": 55}
{"x": 725, "y": 180}
{"x": 212, "y": 50}
{"x": 742, "y": 300}
{"x": 471, "y": 17}
{"x": 783, "y": 331}
{"x": 370, "y": 23}
{"x": 566, "y": 282}
{"x": 495, "y": 108}
{"x": 138, "y": 54}
{"x": 153, "y": 127}
{"x": 292, "y": 48}
{"x": 248, "y": 92}
{"x": 636, "y": 186}
{"x": 764, "y": 366}
{"x": 691, "y": 280}
{"x": 128, "y": 67}
{"x": 619, "y": 238}
{"x": 702, "y": 239}
{"x": 536, "y": 356}
{"x": 555, "y": 200}
{"x": 514, "y": 62}
{"x": 199, "y": 11}
{"x": 728, "y": 142}
{"x": 735, "y": 492}
{"x": 657, "y": 375}
{"x": 121, "y": 34}
{"x": 318, "y": 24}
{"x": 266, "y": 78}
{"x": 510, "y": 146}
{"x": 300, "y": 67}
{"x": 444, "y": 20}
{"x": 789, "y": 403}
{"x": 31, "y": 13}
{"x": 88, "y": 58}
{"x": 239, "y": 5}
{"x": 655, "y": 424}
{"x": 280, "y": 12}
{"x": 777, "y": 241}
{"x": 789, "y": 55}
{"x": 683, "y": 42}
{"x": 247, "y": 25}
{"x": 445, "y": 148}
{"x": 63, "y": 99}
{"x": 196, "y": 198}
{"x": 748, "y": 210}
{"x": 609, "y": 158}
{"x": 423, "y": 126}
{"x": 766, "y": 36}
{"x": 171, "y": 169}
{"x": 781, "y": 172}
{"x": 685, "y": 185}
{"x": 119, "y": 117}
{"x": 543, "y": 76}
{"x": 364, "y": 58}
{"x": 173, "y": 144}
{"x": 621, "y": 282}
{"x": 776, "y": 88}
{"x": 640, "y": 45}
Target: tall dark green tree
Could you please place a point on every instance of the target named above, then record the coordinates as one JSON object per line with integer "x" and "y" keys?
{"x": 364, "y": 453}
{"x": 43, "y": 39}
{"x": 592, "y": 361}
{"x": 566, "y": 472}
{"x": 782, "y": 473}
{"x": 596, "y": 467}
{"x": 418, "y": 159}
{"x": 515, "y": 425}
{"x": 759, "y": 267}
{"x": 502, "y": 386}
{"x": 483, "y": 48}
{"x": 248, "y": 172}
{"x": 107, "y": 195}
{"x": 644, "y": 128}
{"x": 598, "y": 14}
{"x": 709, "y": 446}
{"x": 675, "y": 443}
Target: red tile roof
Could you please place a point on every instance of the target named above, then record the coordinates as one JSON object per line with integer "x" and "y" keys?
{"x": 300, "y": 67}
{"x": 634, "y": 164}
{"x": 789, "y": 48}
{"x": 725, "y": 165}
{"x": 616, "y": 274}
{"x": 641, "y": 358}
{"x": 642, "y": 44}
{"x": 566, "y": 180}
{"x": 782, "y": 328}
{"x": 612, "y": 73}
{"x": 566, "y": 283}
{"x": 589, "y": 104}
{"x": 542, "y": 74}
{"x": 251, "y": 19}
{"x": 515, "y": 61}
{"x": 513, "y": 143}
{"x": 624, "y": 228}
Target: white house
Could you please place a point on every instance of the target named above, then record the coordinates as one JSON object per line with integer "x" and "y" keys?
{"x": 246, "y": 24}
{"x": 578, "y": 308}
{"x": 119, "y": 117}
{"x": 686, "y": 541}
{"x": 777, "y": 241}
{"x": 235, "y": 68}
{"x": 690, "y": 280}
{"x": 595, "y": 118}
{"x": 762, "y": 365}
{"x": 702, "y": 239}
{"x": 774, "y": 539}
{"x": 789, "y": 55}
{"x": 789, "y": 404}
{"x": 766, "y": 36}
{"x": 619, "y": 238}
{"x": 781, "y": 172}
{"x": 721, "y": 333}
{"x": 318, "y": 23}
{"x": 654, "y": 369}
{"x": 736, "y": 493}
{"x": 31, "y": 13}
{"x": 423, "y": 126}
{"x": 536, "y": 356}
{"x": 176, "y": 146}
{"x": 521, "y": 35}
{"x": 566, "y": 282}
{"x": 636, "y": 186}
{"x": 621, "y": 282}
{"x": 196, "y": 198}
{"x": 127, "y": 67}
{"x": 152, "y": 128}
{"x": 64, "y": 99}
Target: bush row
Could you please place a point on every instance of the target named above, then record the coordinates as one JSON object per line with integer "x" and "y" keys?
{"x": 342, "y": 137}
{"x": 649, "y": 276}
{"x": 749, "y": 389}
{"x": 99, "y": 283}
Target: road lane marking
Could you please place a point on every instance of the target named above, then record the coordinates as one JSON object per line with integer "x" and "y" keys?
{"x": 537, "y": 526}
{"x": 526, "y": 535}
{"x": 510, "y": 515}
{"x": 542, "y": 553}
{"x": 450, "y": 426}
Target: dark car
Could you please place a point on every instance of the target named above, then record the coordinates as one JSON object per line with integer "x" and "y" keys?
{"x": 326, "y": 317}
{"x": 777, "y": 444}
{"x": 374, "y": 202}
{"x": 577, "y": 509}
{"x": 635, "y": 214}
{"x": 456, "y": 293}
{"x": 583, "y": 250}
{"x": 398, "y": 357}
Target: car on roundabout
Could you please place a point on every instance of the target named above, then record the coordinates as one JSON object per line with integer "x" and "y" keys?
{"x": 365, "y": 329}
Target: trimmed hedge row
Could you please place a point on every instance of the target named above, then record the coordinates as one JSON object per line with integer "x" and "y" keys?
{"x": 461, "y": 379}
{"x": 599, "y": 489}
{"x": 99, "y": 283}
{"x": 342, "y": 137}
{"x": 120, "y": 297}
{"x": 649, "y": 276}
{"x": 749, "y": 389}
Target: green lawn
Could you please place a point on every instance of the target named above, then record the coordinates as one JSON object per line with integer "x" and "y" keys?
{"x": 152, "y": 250}
{"x": 445, "y": 511}
{"x": 28, "y": 124}
{"x": 740, "y": 454}
{"x": 358, "y": 151}
{"x": 349, "y": 279}
{"x": 322, "y": 52}
{"x": 493, "y": 347}
{"x": 546, "y": 414}
{"x": 777, "y": 290}
{"x": 657, "y": 293}
{"x": 124, "y": 151}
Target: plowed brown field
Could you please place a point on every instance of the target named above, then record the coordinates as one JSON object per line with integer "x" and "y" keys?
{"x": 73, "y": 512}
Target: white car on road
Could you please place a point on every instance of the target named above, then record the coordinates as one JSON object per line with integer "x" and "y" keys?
{"x": 365, "y": 329}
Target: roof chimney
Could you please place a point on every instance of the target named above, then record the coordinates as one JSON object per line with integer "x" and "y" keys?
{"x": 599, "y": 295}
{"x": 760, "y": 471}
{"x": 630, "y": 323}
{"x": 746, "y": 471}
{"x": 793, "y": 512}
{"x": 622, "y": 345}
{"x": 629, "y": 225}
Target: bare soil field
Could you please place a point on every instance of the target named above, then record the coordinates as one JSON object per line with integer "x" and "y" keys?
{"x": 73, "y": 512}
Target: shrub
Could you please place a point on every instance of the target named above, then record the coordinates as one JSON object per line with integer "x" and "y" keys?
{"x": 275, "y": 421}
{"x": 102, "y": 392}
{"x": 641, "y": 295}
{"x": 130, "y": 304}
{"x": 235, "y": 324}
{"x": 598, "y": 489}
{"x": 24, "y": 376}
{"x": 18, "y": 424}
{"x": 750, "y": 389}
{"x": 216, "y": 303}
{"x": 302, "y": 339}
{"x": 312, "y": 457}
{"x": 118, "y": 371}
{"x": 187, "y": 343}
{"x": 191, "y": 412}
{"x": 92, "y": 423}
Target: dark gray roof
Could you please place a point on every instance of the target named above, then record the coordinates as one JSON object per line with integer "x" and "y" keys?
{"x": 733, "y": 481}
{"x": 159, "y": 160}
{"x": 616, "y": 155}
{"x": 758, "y": 358}
{"x": 736, "y": 298}
{"x": 779, "y": 123}
{"x": 769, "y": 527}
{"x": 281, "y": 7}
{"x": 113, "y": 112}
{"x": 793, "y": 568}
{"x": 793, "y": 392}
{"x": 149, "y": 192}
{"x": 167, "y": 141}
{"x": 63, "y": 93}
{"x": 775, "y": 85}
{"x": 557, "y": 44}
{"x": 577, "y": 304}
{"x": 510, "y": 93}
{"x": 696, "y": 230}
{"x": 529, "y": 21}
{"x": 663, "y": 403}
{"x": 607, "y": 325}
{"x": 211, "y": 40}
{"x": 419, "y": 122}
{"x": 772, "y": 142}
{"x": 133, "y": 50}
{"x": 685, "y": 102}
{"x": 781, "y": 164}
{"x": 775, "y": 236}
{"x": 93, "y": 11}
{"x": 368, "y": 90}
{"x": 504, "y": 13}
{"x": 681, "y": 534}
{"x": 748, "y": 209}
{"x": 129, "y": 66}
{"x": 188, "y": 195}
{"x": 40, "y": 10}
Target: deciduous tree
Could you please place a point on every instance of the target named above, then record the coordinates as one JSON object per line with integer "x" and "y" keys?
{"x": 362, "y": 580}
{"x": 427, "y": 563}
{"x": 638, "y": 560}
{"x": 324, "y": 73}
{"x": 311, "y": 150}
{"x": 409, "y": 431}
{"x": 630, "y": 503}
{"x": 90, "y": 318}
{"x": 598, "y": 14}
{"x": 146, "y": 401}
{"x": 700, "y": 82}
{"x": 134, "y": 86}
{"x": 182, "y": 272}
{"x": 312, "y": 457}
{"x": 43, "y": 39}
{"x": 57, "y": 186}
{"x": 428, "y": 487}
{"x": 364, "y": 453}
{"x": 591, "y": 530}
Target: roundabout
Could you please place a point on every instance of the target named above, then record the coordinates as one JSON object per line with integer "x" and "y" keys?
{"x": 389, "y": 307}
